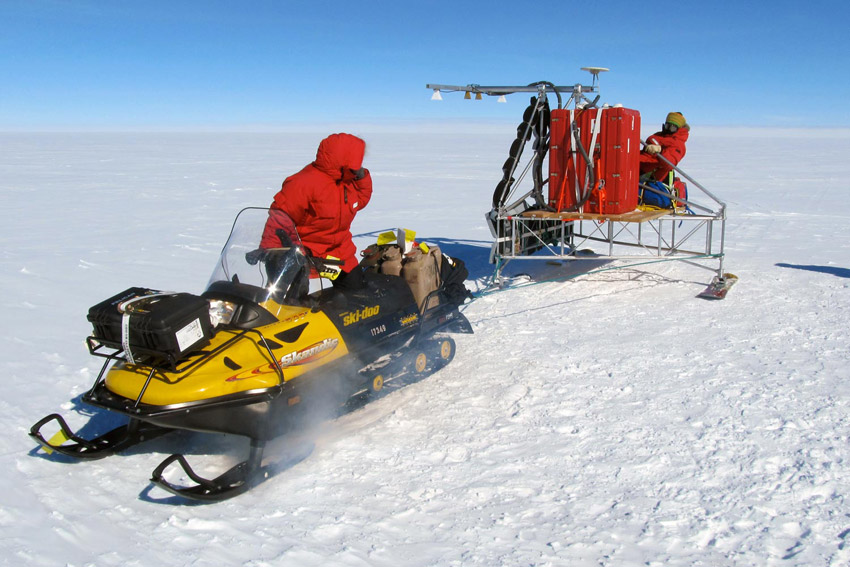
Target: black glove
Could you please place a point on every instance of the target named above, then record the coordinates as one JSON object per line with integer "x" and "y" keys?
{"x": 353, "y": 174}
{"x": 283, "y": 236}
{"x": 255, "y": 256}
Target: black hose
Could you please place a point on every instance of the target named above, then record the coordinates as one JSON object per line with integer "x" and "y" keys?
{"x": 553, "y": 87}
{"x": 541, "y": 148}
{"x": 524, "y": 131}
{"x": 536, "y": 121}
{"x": 590, "y": 181}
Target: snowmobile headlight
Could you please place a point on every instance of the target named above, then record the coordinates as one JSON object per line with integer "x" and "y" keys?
{"x": 221, "y": 312}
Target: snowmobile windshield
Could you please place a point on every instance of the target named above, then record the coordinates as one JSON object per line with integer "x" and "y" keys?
{"x": 263, "y": 259}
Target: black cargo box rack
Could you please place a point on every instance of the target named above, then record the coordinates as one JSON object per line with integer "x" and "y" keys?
{"x": 152, "y": 324}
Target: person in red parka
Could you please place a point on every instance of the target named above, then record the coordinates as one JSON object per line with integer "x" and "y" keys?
{"x": 322, "y": 200}
{"x": 669, "y": 143}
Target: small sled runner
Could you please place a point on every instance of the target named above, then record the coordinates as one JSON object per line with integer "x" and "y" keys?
{"x": 719, "y": 287}
{"x": 255, "y": 352}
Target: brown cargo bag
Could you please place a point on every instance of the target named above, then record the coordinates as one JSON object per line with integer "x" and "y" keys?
{"x": 421, "y": 271}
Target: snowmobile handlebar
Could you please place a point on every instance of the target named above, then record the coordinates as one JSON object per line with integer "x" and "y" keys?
{"x": 262, "y": 254}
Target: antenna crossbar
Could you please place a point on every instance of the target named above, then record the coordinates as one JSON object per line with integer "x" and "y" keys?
{"x": 510, "y": 89}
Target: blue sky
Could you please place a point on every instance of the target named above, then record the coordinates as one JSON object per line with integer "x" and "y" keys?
{"x": 172, "y": 64}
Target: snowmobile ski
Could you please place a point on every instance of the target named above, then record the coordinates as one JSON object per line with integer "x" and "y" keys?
{"x": 235, "y": 481}
{"x": 104, "y": 445}
{"x": 719, "y": 287}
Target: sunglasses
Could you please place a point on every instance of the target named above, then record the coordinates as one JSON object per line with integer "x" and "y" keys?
{"x": 669, "y": 127}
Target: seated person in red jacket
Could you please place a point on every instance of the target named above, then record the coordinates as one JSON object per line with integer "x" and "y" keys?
{"x": 322, "y": 200}
{"x": 669, "y": 143}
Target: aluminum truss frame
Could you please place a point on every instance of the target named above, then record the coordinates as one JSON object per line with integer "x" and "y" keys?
{"x": 696, "y": 238}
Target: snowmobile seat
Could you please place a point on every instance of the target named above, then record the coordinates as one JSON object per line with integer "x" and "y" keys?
{"x": 391, "y": 293}
{"x": 235, "y": 291}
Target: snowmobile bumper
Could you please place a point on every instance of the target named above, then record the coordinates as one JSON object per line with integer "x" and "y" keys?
{"x": 238, "y": 414}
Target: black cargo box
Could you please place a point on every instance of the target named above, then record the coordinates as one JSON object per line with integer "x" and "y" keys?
{"x": 172, "y": 325}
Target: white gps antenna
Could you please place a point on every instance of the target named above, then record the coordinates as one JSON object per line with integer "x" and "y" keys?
{"x": 595, "y": 72}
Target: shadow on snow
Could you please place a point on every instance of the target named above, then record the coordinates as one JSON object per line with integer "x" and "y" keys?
{"x": 831, "y": 270}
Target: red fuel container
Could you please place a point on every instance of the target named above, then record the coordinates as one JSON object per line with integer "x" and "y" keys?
{"x": 611, "y": 137}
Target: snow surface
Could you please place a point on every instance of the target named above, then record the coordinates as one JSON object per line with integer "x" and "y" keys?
{"x": 611, "y": 420}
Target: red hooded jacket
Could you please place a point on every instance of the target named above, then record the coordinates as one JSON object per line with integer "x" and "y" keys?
{"x": 323, "y": 198}
{"x": 672, "y": 149}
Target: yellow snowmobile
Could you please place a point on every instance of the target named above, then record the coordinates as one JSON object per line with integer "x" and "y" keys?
{"x": 243, "y": 357}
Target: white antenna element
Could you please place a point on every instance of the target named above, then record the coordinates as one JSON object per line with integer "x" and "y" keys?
{"x": 578, "y": 97}
{"x": 595, "y": 72}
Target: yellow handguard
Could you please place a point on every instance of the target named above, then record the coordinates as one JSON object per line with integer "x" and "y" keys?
{"x": 330, "y": 270}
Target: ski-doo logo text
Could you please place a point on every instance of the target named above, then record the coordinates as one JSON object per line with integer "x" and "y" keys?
{"x": 354, "y": 316}
{"x": 309, "y": 354}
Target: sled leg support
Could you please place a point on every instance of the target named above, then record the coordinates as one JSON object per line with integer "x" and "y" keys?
{"x": 119, "y": 438}
{"x": 235, "y": 481}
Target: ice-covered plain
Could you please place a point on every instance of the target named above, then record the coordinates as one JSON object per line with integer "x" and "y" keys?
{"x": 612, "y": 419}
